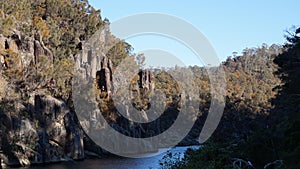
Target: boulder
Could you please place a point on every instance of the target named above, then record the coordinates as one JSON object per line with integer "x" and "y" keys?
{"x": 59, "y": 132}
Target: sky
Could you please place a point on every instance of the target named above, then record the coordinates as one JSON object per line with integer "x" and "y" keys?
{"x": 230, "y": 26}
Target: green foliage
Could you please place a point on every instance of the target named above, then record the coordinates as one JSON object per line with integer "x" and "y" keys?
{"x": 211, "y": 155}
{"x": 265, "y": 132}
{"x": 275, "y": 140}
{"x": 286, "y": 114}
{"x": 118, "y": 51}
{"x": 167, "y": 84}
{"x": 62, "y": 76}
{"x": 6, "y": 25}
{"x": 170, "y": 160}
{"x": 215, "y": 155}
{"x": 60, "y": 26}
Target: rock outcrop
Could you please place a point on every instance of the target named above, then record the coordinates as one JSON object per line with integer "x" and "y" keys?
{"x": 141, "y": 90}
{"x": 95, "y": 65}
{"x": 104, "y": 76}
{"x": 28, "y": 48}
{"x": 44, "y": 129}
{"x": 146, "y": 80}
{"x": 59, "y": 128}
{"x": 51, "y": 134}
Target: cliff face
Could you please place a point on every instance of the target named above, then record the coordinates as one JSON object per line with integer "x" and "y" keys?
{"x": 49, "y": 133}
{"x": 38, "y": 49}
{"x": 35, "y": 126}
{"x": 38, "y": 128}
{"x": 94, "y": 64}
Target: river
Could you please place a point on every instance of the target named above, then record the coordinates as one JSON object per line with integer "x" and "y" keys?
{"x": 115, "y": 162}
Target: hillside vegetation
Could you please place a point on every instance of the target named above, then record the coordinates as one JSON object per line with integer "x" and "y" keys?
{"x": 43, "y": 43}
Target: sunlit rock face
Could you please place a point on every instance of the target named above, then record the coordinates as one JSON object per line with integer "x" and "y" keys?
{"x": 29, "y": 48}
{"x": 93, "y": 64}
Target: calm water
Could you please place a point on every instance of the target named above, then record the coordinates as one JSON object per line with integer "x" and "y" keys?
{"x": 114, "y": 162}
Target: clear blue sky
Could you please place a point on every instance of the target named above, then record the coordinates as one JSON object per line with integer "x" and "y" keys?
{"x": 229, "y": 25}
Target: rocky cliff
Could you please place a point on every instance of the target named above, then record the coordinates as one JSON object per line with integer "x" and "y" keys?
{"x": 38, "y": 128}
{"x": 35, "y": 126}
{"x": 49, "y": 133}
{"x": 41, "y": 44}
{"x": 28, "y": 48}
